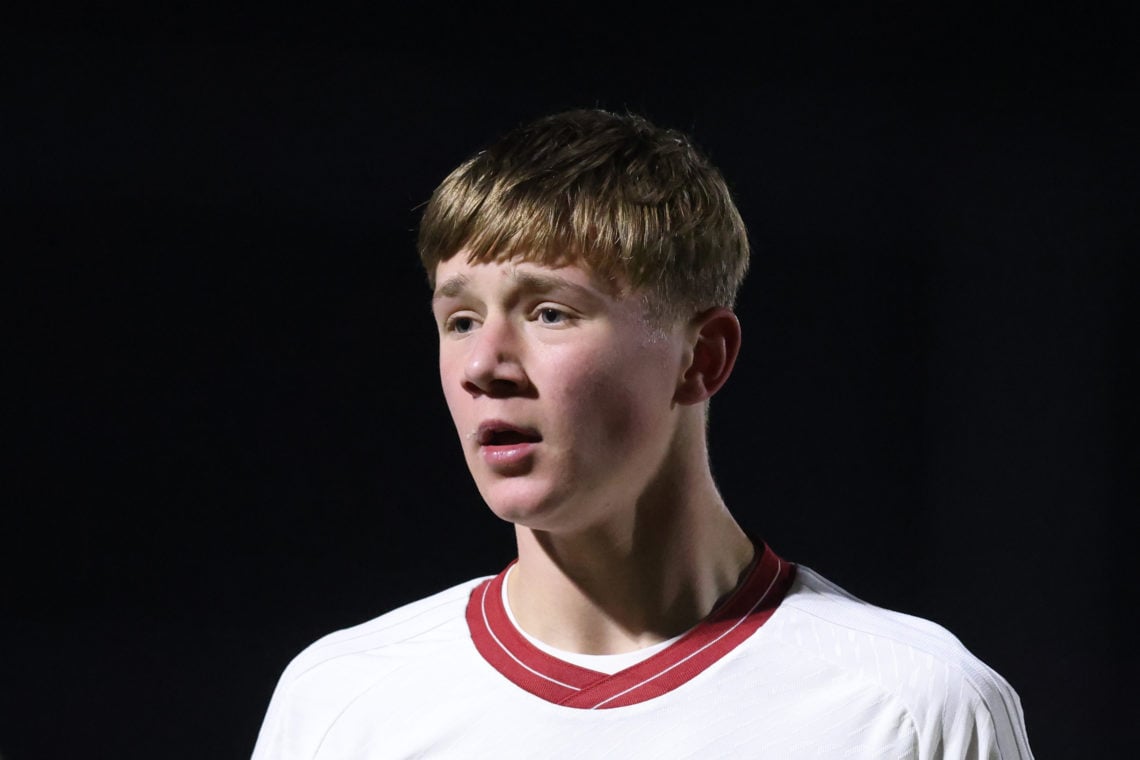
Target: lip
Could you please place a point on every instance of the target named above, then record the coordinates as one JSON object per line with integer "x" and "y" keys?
{"x": 511, "y": 457}
{"x": 508, "y": 459}
{"x": 488, "y": 429}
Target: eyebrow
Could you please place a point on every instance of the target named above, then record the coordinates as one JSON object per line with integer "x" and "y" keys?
{"x": 545, "y": 283}
{"x": 529, "y": 282}
{"x": 450, "y": 288}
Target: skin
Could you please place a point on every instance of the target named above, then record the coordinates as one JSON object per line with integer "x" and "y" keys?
{"x": 597, "y": 453}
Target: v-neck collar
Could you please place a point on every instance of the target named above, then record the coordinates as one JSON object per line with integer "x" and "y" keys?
{"x": 563, "y": 683}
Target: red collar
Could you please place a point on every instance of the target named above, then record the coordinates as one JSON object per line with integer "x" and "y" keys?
{"x": 560, "y": 682}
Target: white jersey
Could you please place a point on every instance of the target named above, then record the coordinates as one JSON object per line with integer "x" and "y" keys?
{"x": 790, "y": 666}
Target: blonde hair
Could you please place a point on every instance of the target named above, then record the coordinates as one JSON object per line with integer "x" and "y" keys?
{"x": 637, "y": 205}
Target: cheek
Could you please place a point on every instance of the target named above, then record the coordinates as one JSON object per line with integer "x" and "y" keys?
{"x": 617, "y": 407}
{"x": 453, "y": 393}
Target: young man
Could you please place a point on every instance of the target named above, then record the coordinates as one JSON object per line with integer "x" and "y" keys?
{"x": 584, "y": 270}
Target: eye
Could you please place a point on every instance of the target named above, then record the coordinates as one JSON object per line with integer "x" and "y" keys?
{"x": 459, "y": 324}
{"x": 548, "y": 315}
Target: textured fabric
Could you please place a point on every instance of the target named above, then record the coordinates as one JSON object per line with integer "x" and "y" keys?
{"x": 825, "y": 676}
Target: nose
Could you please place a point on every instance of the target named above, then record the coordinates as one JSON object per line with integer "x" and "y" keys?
{"x": 494, "y": 362}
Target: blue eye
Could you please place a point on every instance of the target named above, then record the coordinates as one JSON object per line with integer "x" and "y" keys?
{"x": 549, "y": 316}
{"x": 461, "y": 324}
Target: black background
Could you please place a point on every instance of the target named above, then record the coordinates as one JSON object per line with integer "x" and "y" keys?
{"x": 226, "y": 429}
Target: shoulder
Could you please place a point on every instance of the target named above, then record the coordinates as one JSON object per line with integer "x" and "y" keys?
{"x": 949, "y": 694}
{"x": 821, "y": 605}
{"x": 395, "y": 652}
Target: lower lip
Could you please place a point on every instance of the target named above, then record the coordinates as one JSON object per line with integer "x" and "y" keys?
{"x": 507, "y": 456}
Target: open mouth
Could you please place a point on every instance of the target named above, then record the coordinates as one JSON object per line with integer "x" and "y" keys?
{"x": 502, "y": 434}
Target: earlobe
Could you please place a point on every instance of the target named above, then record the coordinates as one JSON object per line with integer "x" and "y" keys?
{"x": 716, "y": 343}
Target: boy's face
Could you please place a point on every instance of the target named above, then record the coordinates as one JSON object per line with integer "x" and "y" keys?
{"x": 562, "y": 393}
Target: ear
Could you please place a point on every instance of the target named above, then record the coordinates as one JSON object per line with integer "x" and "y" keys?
{"x": 715, "y": 345}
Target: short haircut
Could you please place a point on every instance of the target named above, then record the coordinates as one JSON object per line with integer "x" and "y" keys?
{"x": 638, "y": 205}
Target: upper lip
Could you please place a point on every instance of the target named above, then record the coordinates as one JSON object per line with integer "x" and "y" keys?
{"x": 490, "y": 430}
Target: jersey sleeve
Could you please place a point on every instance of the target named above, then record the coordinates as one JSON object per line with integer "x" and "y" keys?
{"x": 979, "y": 719}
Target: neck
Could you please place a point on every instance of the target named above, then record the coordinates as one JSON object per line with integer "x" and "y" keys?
{"x": 633, "y": 582}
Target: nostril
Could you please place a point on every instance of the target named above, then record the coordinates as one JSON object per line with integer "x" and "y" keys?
{"x": 475, "y": 389}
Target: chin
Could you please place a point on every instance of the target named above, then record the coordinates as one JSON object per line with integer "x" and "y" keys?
{"x": 526, "y": 504}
